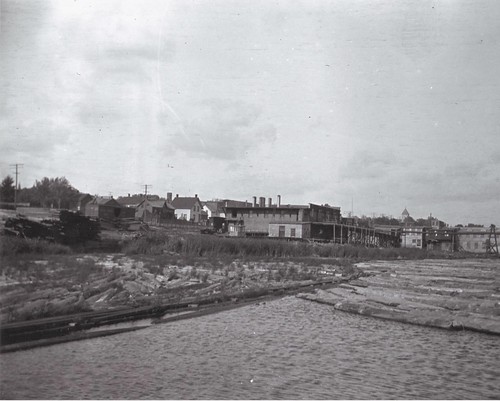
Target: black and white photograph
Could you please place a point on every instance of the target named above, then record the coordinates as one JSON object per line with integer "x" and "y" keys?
{"x": 250, "y": 199}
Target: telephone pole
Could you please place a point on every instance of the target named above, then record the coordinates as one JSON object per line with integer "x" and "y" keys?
{"x": 16, "y": 167}
{"x": 146, "y": 190}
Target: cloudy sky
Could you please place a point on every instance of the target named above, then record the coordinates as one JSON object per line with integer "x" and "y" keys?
{"x": 375, "y": 105}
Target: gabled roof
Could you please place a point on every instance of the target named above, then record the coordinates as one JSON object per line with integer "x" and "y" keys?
{"x": 405, "y": 213}
{"x": 157, "y": 203}
{"x": 104, "y": 201}
{"x": 161, "y": 203}
{"x": 130, "y": 200}
{"x": 180, "y": 202}
{"x": 83, "y": 196}
{"x": 214, "y": 206}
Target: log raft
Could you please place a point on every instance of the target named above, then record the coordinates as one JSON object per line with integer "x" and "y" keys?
{"x": 447, "y": 294}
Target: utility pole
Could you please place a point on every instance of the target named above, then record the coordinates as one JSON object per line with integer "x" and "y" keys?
{"x": 146, "y": 190}
{"x": 16, "y": 166}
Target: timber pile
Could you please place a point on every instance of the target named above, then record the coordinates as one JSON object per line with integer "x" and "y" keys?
{"x": 70, "y": 228}
{"x": 449, "y": 294}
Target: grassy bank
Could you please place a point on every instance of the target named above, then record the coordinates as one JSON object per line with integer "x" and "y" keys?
{"x": 195, "y": 246}
{"x": 212, "y": 246}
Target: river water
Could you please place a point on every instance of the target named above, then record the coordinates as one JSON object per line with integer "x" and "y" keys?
{"x": 283, "y": 349}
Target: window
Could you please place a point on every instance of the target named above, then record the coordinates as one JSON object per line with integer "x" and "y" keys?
{"x": 476, "y": 245}
{"x": 413, "y": 241}
{"x": 281, "y": 231}
{"x": 234, "y": 214}
{"x": 419, "y": 242}
{"x": 292, "y": 232}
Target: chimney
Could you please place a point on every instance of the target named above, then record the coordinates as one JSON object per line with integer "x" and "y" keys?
{"x": 176, "y": 195}
{"x": 262, "y": 201}
{"x": 129, "y": 195}
{"x": 269, "y": 202}
{"x": 254, "y": 201}
{"x": 169, "y": 197}
{"x": 279, "y": 200}
{"x": 195, "y": 195}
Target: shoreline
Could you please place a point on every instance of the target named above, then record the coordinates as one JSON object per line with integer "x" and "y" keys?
{"x": 49, "y": 331}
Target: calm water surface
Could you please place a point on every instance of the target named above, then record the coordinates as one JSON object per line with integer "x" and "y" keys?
{"x": 284, "y": 349}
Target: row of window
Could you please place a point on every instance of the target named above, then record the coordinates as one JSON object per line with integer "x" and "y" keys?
{"x": 234, "y": 214}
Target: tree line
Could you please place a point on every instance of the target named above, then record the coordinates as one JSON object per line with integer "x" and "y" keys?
{"x": 48, "y": 192}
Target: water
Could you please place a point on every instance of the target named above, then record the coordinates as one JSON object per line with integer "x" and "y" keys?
{"x": 284, "y": 349}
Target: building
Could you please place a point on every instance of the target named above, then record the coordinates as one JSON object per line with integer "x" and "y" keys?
{"x": 277, "y": 220}
{"x": 413, "y": 237}
{"x": 155, "y": 212}
{"x": 477, "y": 239}
{"x": 133, "y": 201}
{"x": 214, "y": 209}
{"x": 436, "y": 224}
{"x": 188, "y": 208}
{"x": 442, "y": 239}
{"x": 404, "y": 215}
{"x": 107, "y": 208}
{"x": 82, "y": 202}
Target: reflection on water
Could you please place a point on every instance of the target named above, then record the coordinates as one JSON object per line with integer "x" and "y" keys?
{"x": 285, "y": 349}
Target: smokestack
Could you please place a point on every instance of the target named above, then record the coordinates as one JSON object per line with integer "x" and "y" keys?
{"x": 262, "y": 201}
{"x": 269, "y": 202}
{"x": 254, "y": 201}
{"x": 279, "y": 200}
{"x": 169, "y": 197}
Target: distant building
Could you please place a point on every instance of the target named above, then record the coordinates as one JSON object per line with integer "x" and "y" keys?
{"x": 82, "y": 202}
{"x": 214, "y": 209}
{"x": 413, "y": 237}
{"x": 107, "y": 208}
{"x": 404, "y": 215}
{"x": 474, "y": 239}
{"x": 188, "y": 208}
{"x": 134, "y": 200}
{"x": 277, "y": 220}
{"x": 443, "y": 239}
{"x": 155, "y": 212}
{"x": 436, "y": 224}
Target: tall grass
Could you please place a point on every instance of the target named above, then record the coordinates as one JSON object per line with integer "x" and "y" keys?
{"x": 212, "y": 246}
{"x": 14, "y": 246}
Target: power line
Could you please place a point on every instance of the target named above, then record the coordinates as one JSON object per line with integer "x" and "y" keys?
{"x": 16, "y": 166}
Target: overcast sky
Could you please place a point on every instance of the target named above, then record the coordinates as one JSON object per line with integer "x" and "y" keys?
{"x": 379, "y": 105}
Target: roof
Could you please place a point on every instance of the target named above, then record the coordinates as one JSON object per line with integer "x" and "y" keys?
{"x": 180, "y": 202}
{"x": 130, "y": 200}
{"x": 281, "y": 207}
{"x": 104, "y": 201}
{"x": 83, "y": 196}
{"x": 160, "y": 203}
{"x": 405, "y": 213}
{"x": 214, "y": 206}
{"x": 157, "y": 203}
{"x": 325, "y": 206}
{"x": 235, "y": 203}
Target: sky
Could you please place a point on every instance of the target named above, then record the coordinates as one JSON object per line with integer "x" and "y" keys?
{"x": 373, "y": 106}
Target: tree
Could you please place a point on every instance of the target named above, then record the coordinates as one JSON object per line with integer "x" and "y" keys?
{"x": 7, "y": 189}
{"x": 54, "y": 192}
